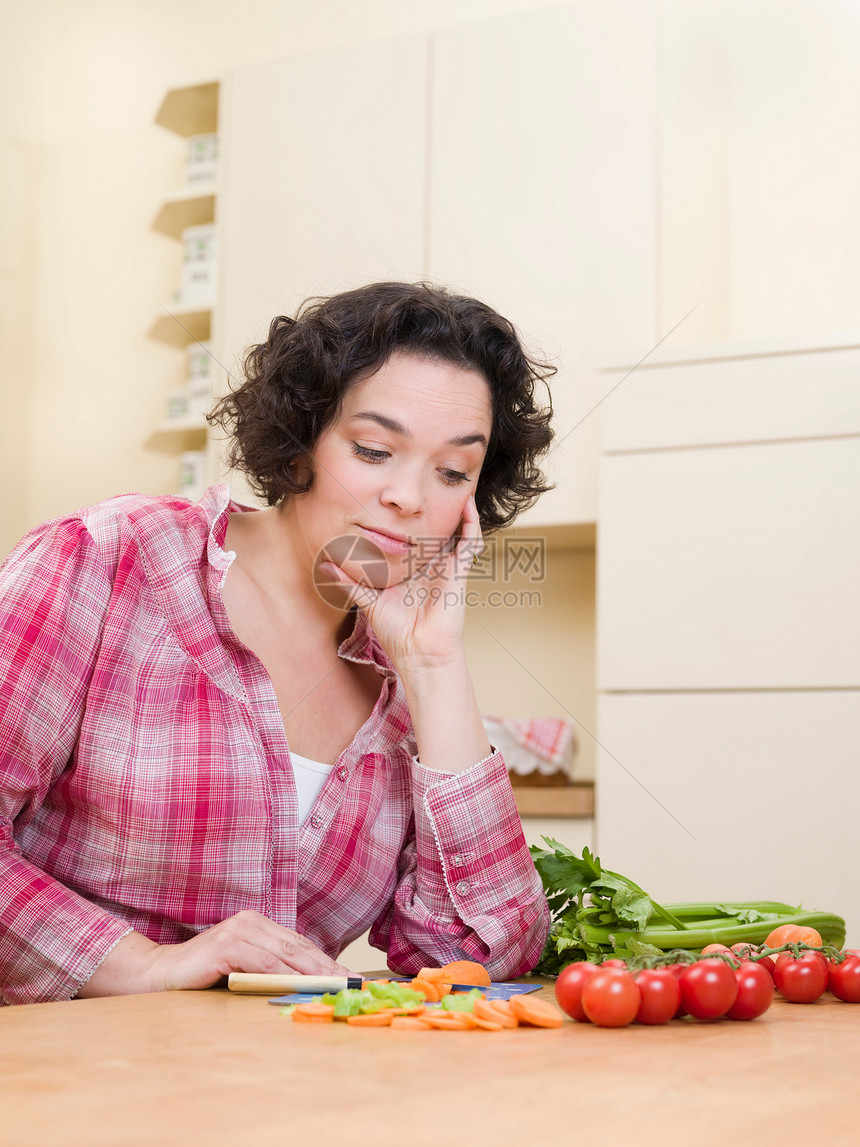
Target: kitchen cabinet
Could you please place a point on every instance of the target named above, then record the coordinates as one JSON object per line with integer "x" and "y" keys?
{"x": 728, "y": 625}
{"x": 542, "y": 200}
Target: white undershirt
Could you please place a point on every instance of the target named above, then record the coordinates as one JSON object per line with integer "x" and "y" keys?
{"x": 310, "y": 777}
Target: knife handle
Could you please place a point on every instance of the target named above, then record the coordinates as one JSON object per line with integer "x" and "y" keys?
{"x": 263, "y": 984}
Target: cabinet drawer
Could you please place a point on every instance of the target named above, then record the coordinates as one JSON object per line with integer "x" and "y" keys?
{"x": 745, "y": 399}
{"x": 730, "y": 568}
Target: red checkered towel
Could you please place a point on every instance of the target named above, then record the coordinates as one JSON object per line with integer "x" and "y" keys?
{"x": 541, "y": 744}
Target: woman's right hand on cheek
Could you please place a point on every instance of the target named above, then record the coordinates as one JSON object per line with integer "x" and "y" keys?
{"x": 246, "y": 942}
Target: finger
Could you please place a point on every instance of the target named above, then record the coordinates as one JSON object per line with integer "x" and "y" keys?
{"x": 356, "y": 592}
{"x": 471, "y": 542}
{"x": 292, "y": 948}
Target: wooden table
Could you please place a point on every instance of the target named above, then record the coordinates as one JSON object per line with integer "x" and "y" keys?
{"x": 187, "y": 1068}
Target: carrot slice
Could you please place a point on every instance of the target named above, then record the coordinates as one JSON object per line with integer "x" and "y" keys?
{"x": 376, "y": 1020}
{"x": 431, "y": 974}
{"x": 487, "y": 1011}
{"x": 325, "y": 1010}
{"x": 487, "y": 1025}
{"x": 409, "y": 1024}
{"x": 539, "y": 1013}
{"x": 419, "y": 1011}
{"x": 447, "y": 1022}
{"x": 442, "y": 989}
{"x": 467, "y": 972}
{"x": 300, "y": 1018}
{"x": 428, "y": 988}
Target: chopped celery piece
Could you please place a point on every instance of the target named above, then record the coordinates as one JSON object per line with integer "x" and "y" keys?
{"x": 462, "y": 1003}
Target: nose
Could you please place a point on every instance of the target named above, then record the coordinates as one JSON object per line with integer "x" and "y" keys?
{"x": 403, "y": 491}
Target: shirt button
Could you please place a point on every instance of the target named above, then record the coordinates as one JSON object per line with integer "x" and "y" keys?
{"x": 464, "y": 886}
{"x": 456, "y": 858}
{"x": 316, "y": 821}
{"x": 343, "y": 772}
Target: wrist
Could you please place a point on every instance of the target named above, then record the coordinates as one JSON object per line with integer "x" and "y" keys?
{"x": 415, "y": 665}
{"x": 125, "y": 971}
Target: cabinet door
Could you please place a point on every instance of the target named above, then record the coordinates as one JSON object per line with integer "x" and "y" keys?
{"x": 730, "y": 568}
{"x": 542, "y": 199}
{"x": 323, "y": 186}
{"x": 733, "y": 796}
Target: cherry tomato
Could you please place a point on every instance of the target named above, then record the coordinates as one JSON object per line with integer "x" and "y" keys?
{"x": 755, "y": 992}
{"x": 661, "y": 996}
{"x": 768, "y": 963}
{"x": 744, "y": 949}
{"x": 710, "y": 949}
{"x": 844, "y": 980}
{"x": 801, "y": 980}
{"x": 792, "y": 934}
{"x": 675, "y": 969}
{"x": 615, "y": 963}
{"x": 568, "y": 989}
{"x": 708, "y": 989}
{"x": 611, "y": 999}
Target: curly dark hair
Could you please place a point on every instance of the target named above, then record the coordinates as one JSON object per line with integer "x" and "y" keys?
{"x": 294, "y": 384}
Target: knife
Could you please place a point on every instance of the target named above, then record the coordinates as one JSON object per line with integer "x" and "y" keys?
{"x": 271, "y": 984}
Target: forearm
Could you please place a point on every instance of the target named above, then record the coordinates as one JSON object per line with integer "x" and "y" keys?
{"x": 124, "y": 971}
{"x": 446, "y": 721}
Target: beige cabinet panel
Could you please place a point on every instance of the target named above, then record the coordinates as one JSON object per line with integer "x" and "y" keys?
{"x": 733, "y": 796}
{"x": 323, "y": 185}
{"x": 736, "y": 567}
{"x": 746, "y": 398}
{"x": 542, "y": 198}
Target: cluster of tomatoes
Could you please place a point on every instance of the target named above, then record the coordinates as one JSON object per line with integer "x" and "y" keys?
{"x": 736, "y": 982}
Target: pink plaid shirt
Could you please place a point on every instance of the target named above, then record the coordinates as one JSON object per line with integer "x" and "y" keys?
{"x": 145, "y": 778}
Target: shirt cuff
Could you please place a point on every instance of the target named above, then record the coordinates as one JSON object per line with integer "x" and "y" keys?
{"x": 472, "y": 821}
{"x": 431, "y": 772}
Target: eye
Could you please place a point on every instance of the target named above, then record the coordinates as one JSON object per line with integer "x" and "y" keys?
{"x": 368, "y": 454}
{"x": 449, "y": 477}
{"x": 453, "y": 477}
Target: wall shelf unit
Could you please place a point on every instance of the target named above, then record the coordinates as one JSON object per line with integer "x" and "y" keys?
{"x": 576, "y": 800}
{"x": 186, "y": 208}
{"x": 194, "y": 325}
{"x": 188, "y": 214}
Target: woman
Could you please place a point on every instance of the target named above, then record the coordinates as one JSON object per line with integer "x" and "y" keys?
{"x": 236, "y": 739}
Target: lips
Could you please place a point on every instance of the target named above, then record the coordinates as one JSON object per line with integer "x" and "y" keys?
{"x": 392, "y": 543}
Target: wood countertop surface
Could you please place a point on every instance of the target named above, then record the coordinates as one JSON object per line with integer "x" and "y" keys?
{"x": 186, "y": 1068}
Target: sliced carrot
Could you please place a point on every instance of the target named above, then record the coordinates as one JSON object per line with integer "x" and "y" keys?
{"x": 325, "y": 1010}
{"x": 428, "y": 988}
{"x": 409, "y": 1024}
{"x": 539, "y": 1013}
{"x": 467, "y": 972}
{"x": 380, "y": 982}
{"x": 419, "y": 1011}
{"x": 487, "y": 1011}
{"x": 431, "y": 974}
{"x": 448, "y": 1021}
{"x": 301, "y": 1018}
{"x": 442, "y": 989}
{"x": 467, "y": 1018}
{"x": 487, "y": 1025}
{"x": 376, "y": 1020}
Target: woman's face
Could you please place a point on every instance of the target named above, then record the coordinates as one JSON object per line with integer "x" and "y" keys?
{"x": 399, "y": 463}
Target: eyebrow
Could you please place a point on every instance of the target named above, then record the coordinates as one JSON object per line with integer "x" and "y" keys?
{"x": 404, "y": 431}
